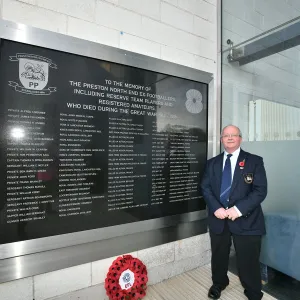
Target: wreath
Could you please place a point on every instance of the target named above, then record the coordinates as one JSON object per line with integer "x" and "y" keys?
{"x": 126, "y": 279}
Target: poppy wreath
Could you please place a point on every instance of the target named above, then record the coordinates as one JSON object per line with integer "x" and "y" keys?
{"x": 126, "y": 279}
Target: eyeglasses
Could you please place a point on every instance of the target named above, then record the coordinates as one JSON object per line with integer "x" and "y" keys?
{"x": 226, "y": 136}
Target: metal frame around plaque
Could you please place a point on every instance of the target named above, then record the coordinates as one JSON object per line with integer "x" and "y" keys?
{"x": 19, "y": 259}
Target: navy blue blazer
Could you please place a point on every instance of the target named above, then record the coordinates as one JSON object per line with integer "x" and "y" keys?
{"x": 248, "y": 190}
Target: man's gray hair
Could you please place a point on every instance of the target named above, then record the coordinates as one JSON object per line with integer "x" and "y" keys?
{"x": 230, "y": 125}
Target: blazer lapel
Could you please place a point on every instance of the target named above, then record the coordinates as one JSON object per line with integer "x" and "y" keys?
{"x": 218, "y": 169}
{"x": 238, "y": 171}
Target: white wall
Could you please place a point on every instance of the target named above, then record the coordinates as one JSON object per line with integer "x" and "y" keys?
{"x": 179, "y": 31}
{"x": 274, "y": 78}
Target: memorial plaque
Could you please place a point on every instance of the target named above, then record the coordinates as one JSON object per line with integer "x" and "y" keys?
{"x": 87, "y": 143}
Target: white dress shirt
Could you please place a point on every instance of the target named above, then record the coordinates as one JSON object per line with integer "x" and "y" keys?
{"x": 233, "y": 162}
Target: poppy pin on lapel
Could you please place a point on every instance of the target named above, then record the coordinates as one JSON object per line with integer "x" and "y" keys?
{"x": 242, "y": 164}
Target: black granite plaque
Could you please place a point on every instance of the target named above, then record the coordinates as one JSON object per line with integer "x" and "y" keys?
{"x": 87, "y": 143}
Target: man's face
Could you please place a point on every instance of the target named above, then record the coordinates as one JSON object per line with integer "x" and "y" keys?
{"x": 231, "y": 139}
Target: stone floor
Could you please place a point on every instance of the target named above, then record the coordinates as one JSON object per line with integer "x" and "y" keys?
{"x": 194, "y": 285}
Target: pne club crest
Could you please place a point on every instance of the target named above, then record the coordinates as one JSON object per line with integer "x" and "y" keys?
{"x": 33, "y": 74}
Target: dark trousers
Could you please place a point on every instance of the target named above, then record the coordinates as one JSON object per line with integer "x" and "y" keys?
{"x": 247, "y": 249}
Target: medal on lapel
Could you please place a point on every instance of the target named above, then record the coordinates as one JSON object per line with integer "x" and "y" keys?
{"x": 248, "y": 178}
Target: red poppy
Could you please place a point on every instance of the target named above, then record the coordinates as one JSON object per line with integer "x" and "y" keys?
{"x": 123, "y": 295}
{"x": 143, "y": 278}
{"x": 242, "y": 163}
{"x": 141, "y": 293}
{"x": 135, "y": 295}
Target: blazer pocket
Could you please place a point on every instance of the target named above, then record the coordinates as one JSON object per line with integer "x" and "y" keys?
{"x": 250, "y": 222}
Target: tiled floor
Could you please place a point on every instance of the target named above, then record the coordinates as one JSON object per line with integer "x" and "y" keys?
{"x": 194, "y": 285}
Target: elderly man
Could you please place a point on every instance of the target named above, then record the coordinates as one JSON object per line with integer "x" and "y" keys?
{"x": 234, "y": 185}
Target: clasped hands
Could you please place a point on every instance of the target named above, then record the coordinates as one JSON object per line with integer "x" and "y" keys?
{"x": 223, "y": 213}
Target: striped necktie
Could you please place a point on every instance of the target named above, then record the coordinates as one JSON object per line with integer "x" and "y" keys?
{"x": 226, "y": 182}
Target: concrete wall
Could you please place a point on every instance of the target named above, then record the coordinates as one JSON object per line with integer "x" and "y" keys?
{"x": 86, "y": 281}
{"x": 274, "y": 78}
{"x": 179, "y": 31}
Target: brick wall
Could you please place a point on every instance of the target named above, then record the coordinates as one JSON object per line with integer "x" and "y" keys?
{"x": 180, "y": 31}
